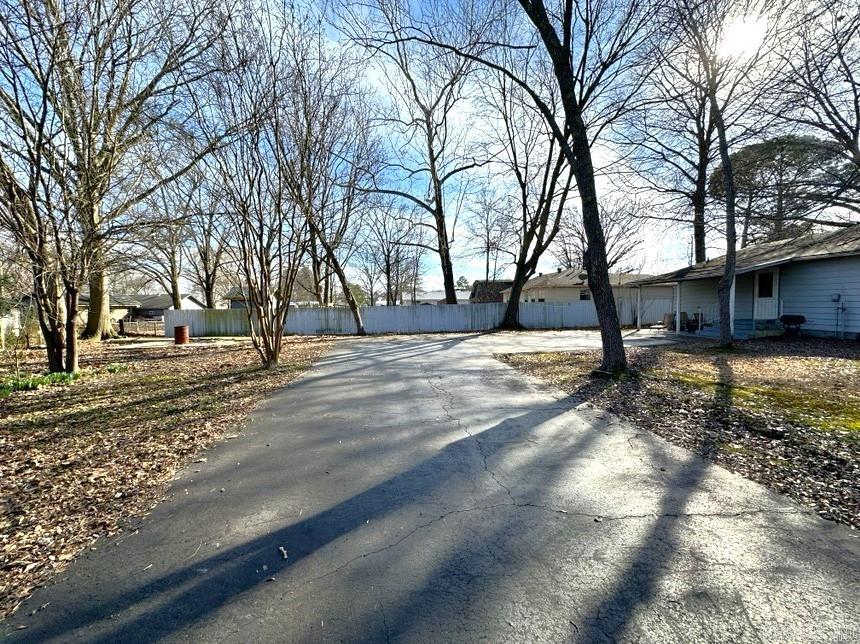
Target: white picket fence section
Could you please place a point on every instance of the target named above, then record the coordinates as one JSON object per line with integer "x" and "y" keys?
{"x": 416, "y": 319}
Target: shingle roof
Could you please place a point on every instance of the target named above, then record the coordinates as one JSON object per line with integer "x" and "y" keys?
{"x": 488, "y": 290}
{"x": 235, "y": 293}
{"x": 840, "y": 243}
{"x": 577, "y": 277}
{"x": 162, "y": 301}
{"x": 117, "y": 300}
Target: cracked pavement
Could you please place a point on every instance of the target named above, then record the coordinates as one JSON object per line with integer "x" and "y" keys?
{"x": 423, "y": 491}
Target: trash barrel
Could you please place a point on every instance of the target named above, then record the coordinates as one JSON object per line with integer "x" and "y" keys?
{"x": 180, "y": 334}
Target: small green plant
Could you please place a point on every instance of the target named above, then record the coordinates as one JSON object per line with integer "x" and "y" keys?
{"x": 29, "y": 383}
{"x": 116, "y": 367}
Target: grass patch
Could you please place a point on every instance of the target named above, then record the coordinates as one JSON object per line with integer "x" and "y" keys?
{"x": 33, "y": 382}
{"x": 810, "y": 408}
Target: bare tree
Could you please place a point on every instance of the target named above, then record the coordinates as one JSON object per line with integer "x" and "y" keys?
{"x": 120, "y": 76}
{"x": 623, "y": 223}
{"x": 391, "y": 248}
{"x": 330, "y": 149}
{"x": 209, "y": 234}
{"x": 36, "y": 205}
{"x": 734, "y": 82}
{"x": 270, "y": 231}
{"x": 531, "y": 159}
{"x": 820, "y": 91}
{"x": 157, "y": 249}
{"x": 669, "y": 138}
{"x": 427, "y": 99}
{"x": 488, "y": 230}
{"x": 591, "y": 49}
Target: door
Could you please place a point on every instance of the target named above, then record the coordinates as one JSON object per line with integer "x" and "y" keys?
{"x": 767, "y": 294}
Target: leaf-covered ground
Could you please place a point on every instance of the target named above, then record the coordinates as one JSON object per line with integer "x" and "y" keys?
{"x": 783, "y": 413}
{"x": 78, "y": 460}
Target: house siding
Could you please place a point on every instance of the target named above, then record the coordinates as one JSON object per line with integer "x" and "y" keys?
{"x": 744, "y": 296}
{"x": 571, "y": 294}
{"x": 806, "y": 288}
{"x": 700, "y": 296}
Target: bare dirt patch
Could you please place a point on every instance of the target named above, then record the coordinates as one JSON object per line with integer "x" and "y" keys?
{"x": 78, "y": 460}
{"x": 783, "y": 413}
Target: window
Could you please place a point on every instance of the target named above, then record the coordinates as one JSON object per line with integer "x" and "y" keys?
{"x": 540, "y": 299}
{"x": 765, "y": 284}
{"x": 584, "y": 294}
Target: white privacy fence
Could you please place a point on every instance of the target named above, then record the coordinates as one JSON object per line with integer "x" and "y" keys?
{"x": 416, "y": 319}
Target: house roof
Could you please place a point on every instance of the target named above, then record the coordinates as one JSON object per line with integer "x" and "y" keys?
{"x": 235, "y": 293}
{"x": 162, "y": 301}
{"x": 577, "y": 278}
{"x": 117, "y": 300}
{"x": 839, "y": 243}
{"x": 488, "y": 290}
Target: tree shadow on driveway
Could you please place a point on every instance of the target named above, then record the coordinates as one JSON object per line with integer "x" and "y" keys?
{"x": 511, "y": 473}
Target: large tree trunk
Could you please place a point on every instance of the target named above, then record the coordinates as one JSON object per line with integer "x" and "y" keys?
{"x": 175, "y": 294}
{"x": 46, "y": 300}
{"x": 445, "y": 257}
{"x": 99, "y": 324}
{"x": 724, "y": 287}
{"x": 511, "y": 320}
{"x": 596, "y": 265}
{"x": 350, "y": 300}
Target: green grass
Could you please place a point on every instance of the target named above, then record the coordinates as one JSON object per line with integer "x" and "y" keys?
{"x": 29, "y": 383}
{"x": 811, "y": 409}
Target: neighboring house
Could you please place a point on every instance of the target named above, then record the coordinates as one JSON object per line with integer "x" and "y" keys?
{"x": 121, "y": 305}
{"x": 235, "y": 299}
{"x": 438, "y": 297}
{"x": 816, "y": 276}
{"x": 488, "y": 290}
{"x": 152, "y": 307}
{"x": 571, "y": 285}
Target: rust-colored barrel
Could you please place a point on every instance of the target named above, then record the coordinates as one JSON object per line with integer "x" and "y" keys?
{"x": 180, "y": 334}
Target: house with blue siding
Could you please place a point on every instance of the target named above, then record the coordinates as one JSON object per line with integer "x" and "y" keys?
{"x": 815, "y": 276}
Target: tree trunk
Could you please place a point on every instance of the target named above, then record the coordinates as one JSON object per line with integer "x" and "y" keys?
{"x": 577, "y": 149}
{"x": 699, "y": 196}
{"x": 445, "y": 259}
{"x": 47, "y": 313}
{"x": 71, "y": 363}
{"x": 175, "y": 295}
{"x": 511, "y": 320}
{"x": 209, "y": 296}
{"x": 350, "y": 300}
{"x": 614, "y": 359}
{"x": 725, "y": 285}
{"x": 99, "y": 324}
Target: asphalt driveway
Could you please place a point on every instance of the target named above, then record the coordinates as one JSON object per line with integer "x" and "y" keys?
{"x": 416, "y": 489}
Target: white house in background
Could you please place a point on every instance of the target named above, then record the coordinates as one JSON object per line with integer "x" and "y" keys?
{"x": 571, "y": 285}
{"x": 815, "y": 276}
{"x": 152, "y": 307}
